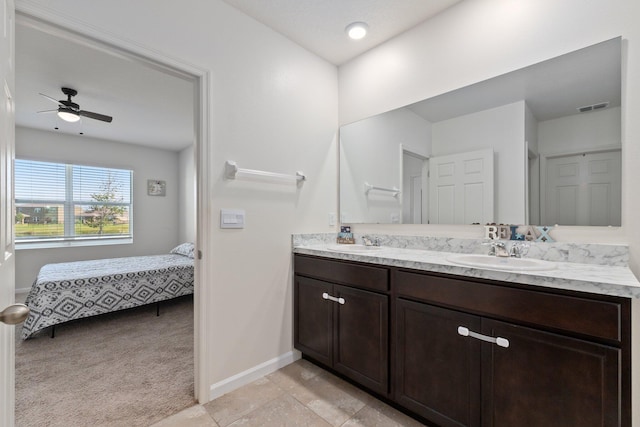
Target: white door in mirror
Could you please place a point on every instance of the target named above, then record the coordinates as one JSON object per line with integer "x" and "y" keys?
{"x": 461, "y": 188}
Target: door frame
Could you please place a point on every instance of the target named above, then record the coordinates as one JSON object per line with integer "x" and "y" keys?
{"x": 202, "y": 131}
{"x": 532, "y": 187}
{"x": 425, "y": 178}
{"x": 7, "y": 222}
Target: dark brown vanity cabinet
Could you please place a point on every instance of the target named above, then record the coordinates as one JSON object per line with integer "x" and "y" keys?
{"x": 546, "y": 379}
{"x": 456, "y": 365}
{"x": 342, "y": 318}
{"x": 461, "y": 351}
{"x": 437, "y": 373}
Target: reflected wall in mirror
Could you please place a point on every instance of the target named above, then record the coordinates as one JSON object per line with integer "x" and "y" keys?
{"x": 540, "y": 145}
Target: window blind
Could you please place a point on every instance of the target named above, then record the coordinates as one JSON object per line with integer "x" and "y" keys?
{"x": 61, "y": 202}
{"x": 90, "y": 181}
{"x": 39, "y": 181}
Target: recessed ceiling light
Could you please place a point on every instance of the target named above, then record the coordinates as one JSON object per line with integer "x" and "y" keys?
{"x": 357, "y": 30}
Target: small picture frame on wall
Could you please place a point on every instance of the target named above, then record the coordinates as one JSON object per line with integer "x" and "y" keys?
{"x": 156, "y": 187}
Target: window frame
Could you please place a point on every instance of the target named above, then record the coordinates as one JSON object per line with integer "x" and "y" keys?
{"x": 69, "y": 237}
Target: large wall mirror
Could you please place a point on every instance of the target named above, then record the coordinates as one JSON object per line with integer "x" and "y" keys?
{"x": 539, "y": 146}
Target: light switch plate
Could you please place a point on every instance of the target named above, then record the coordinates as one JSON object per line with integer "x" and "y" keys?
{"x": 332, "y": 218}
{"x": 232, "y": 218}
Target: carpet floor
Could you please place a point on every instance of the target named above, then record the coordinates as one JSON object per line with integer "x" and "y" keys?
{"x": 128, "y": 368}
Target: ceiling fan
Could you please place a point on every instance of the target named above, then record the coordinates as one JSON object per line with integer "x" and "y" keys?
{"x": 70, "y": 111}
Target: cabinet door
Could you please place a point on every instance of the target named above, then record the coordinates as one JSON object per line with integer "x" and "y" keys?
{"x": 313, "y": 319}
{"x": 546, "y": 380}
{"x": 361, "y": 346}
{"x": 437, "y": 370}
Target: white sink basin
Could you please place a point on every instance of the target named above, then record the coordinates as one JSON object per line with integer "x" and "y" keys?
{"x": 354, "y": 249}
{"x": 502, "y": 263}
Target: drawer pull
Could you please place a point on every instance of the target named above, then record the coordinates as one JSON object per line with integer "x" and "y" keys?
{"x": 332, "y": 298}
{"x": 465, "y": 332}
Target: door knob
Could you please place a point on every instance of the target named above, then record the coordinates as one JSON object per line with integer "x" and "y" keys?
{"x": 14, "y": 314}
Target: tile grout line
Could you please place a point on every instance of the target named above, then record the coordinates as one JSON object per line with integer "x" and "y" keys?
{"x": 258, "y": 407}
{"x": 320, "y": 374}
{"x": 286, "y": 392}
{"x": 326, "y": 374}
{"x": 366, "y": 405}
{"x": 215, "y": 423}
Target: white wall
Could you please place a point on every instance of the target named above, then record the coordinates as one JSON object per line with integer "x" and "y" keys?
{"x": 500, "y": 128}
{"x": 531, "y": 130}
{"x": 581, "y": 132}
{"x": 532, "y": 161}
{"x": 187, "y": 196}
{"x": 155, "y": 219}
{"x": 479, "y": 39}
{"x": 370, "y": 152}
{"x": 273, "y": 106}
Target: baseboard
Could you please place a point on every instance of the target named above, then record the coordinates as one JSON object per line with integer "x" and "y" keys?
{"x": 250, "y": 375}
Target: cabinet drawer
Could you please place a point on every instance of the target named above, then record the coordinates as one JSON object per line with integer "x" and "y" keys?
{"x": 596, "y": 318}
{"x": 361, "y": 276}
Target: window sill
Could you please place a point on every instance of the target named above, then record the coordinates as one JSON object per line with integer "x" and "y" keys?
{"x": 49, "y": 244}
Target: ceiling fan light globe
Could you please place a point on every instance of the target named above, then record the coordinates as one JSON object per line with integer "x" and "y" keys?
{"x": 68, "y": 116}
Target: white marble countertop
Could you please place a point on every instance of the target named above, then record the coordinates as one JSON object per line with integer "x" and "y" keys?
{"x": 593, "y": 278}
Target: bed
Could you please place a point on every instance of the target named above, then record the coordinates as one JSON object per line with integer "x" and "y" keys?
{"x": 74, "y": 290}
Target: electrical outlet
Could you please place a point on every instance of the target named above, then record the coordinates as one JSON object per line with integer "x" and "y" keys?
{"x": 332, "y": 218}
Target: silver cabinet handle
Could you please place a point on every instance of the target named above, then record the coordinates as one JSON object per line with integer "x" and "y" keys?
{"x": 465, "y": 332}
{"x": 332, "y": 298}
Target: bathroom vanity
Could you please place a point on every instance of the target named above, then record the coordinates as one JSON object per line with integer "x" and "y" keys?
{"x": 466, "y": 346}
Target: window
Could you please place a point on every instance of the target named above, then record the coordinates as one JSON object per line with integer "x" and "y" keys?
{"x": 57, "y": 202}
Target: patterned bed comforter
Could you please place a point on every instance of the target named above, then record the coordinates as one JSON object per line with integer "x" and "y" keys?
{"x": 73, "y": 290}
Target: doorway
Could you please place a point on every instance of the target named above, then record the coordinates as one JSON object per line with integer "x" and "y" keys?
{"x": 415, "y": 172}
{"x": 109, "y": 46}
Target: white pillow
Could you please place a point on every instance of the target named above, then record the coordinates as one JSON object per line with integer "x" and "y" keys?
{"x": 185, "y": 249}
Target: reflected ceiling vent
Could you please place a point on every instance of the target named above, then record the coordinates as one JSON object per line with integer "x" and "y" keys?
{"x": 598, "y": 106}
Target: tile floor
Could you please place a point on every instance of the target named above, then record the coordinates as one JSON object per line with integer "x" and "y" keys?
{"x": 300, "y": 394}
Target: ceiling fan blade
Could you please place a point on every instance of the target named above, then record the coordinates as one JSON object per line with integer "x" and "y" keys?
{"x": 50, "y": 98}
{"x": 48, "y": 111}
{"x": 96, "y": 116}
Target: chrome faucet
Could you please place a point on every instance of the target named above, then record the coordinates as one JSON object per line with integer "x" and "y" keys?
{"x": 517, "y": 250}
{"x": 498, "y": 249}
{"x": 501, "y": 249}
{"x": 369, "y": 242}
